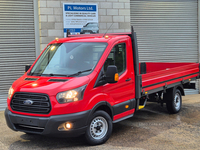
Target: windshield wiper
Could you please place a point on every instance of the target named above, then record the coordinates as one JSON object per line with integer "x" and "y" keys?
{"x": 76, "y": 74}
{"x": 52, "y": 74}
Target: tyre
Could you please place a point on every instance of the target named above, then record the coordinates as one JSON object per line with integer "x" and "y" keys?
{"x": 173, "y": 100}
{"x": 99, "y": 128}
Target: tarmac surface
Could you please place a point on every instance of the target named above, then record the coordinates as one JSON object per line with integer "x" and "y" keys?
{"x": 151, "y": 128}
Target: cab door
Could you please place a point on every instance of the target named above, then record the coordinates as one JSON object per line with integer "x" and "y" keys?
{"x": 122, "y": 93}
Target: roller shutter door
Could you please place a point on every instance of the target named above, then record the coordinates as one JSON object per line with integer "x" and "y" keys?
{"x": 167, "y": 30}
{"x": 17, "y": 44}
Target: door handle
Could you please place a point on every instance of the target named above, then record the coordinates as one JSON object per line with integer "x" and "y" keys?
{"x": 129, "y": 79}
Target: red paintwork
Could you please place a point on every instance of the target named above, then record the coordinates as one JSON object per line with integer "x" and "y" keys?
{"x": 160, "y": 72}
{"x": 124, "y": 114}
{"x": 112, "y": 93}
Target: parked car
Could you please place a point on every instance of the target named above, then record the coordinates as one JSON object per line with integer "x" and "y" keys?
{"x": 90, "y": 28}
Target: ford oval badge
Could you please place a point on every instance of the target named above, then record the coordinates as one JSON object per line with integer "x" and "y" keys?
{"x": 28, "y": 102}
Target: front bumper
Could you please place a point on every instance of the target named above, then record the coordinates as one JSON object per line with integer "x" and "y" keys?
{"x": 48, "y": 125}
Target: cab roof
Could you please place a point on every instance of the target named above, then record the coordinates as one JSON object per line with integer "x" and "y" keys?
{"x": 91, "y": 37}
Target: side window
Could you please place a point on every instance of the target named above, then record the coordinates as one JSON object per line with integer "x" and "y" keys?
{"x": 117, "y": 57}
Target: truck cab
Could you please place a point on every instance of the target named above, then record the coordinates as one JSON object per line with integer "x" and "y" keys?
{"x": 69, "y": 84}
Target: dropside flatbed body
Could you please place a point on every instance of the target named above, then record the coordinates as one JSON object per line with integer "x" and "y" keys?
{"x": 160, "y": 76}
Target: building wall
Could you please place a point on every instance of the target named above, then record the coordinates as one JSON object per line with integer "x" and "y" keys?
{"x": 110, "y": 11}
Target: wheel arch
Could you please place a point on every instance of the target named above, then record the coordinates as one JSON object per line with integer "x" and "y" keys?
{"x": 103, "y": 105}
{"x": 173, "y": 89}
{"x": 181, "y": 89}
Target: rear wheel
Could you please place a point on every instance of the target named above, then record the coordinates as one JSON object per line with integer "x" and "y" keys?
{"x": 99, "y": 128}
{"x": 173, "y": 100}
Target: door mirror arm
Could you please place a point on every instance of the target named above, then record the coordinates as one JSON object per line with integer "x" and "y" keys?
{"x": 111, "y": 76}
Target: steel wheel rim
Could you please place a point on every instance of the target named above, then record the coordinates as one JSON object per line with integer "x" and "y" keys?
{"x": 177, "y": 101}
{"x": 98, "y": 128}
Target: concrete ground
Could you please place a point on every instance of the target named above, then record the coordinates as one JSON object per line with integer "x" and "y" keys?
{"x": 151, "y": 128}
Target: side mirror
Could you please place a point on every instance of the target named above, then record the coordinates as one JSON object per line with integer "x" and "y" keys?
{"x": 112, "y": 75}
{"x": 27, "y": 67}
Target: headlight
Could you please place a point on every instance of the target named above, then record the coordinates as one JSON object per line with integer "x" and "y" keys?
{"x": 71, "y": 95}
{"x": 10, "y": 92}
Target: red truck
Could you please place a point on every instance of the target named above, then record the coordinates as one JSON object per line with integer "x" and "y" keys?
{"x": 83, "y": 84}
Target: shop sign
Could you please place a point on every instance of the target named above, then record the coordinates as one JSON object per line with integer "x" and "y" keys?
{"x": 79, "y": 18}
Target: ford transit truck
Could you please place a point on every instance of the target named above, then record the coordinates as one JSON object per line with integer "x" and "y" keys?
{"x": 83, "y": 84}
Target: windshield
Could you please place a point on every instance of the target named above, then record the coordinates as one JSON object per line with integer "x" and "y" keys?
{"x": 67, "y": 59}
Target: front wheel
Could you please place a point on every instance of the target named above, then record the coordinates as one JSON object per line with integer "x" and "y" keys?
{"x": 99, "y": 128}
{"x": 173, "y": 101}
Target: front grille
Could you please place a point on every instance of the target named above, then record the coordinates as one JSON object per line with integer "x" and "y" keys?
{"x": 31, "y": 103}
